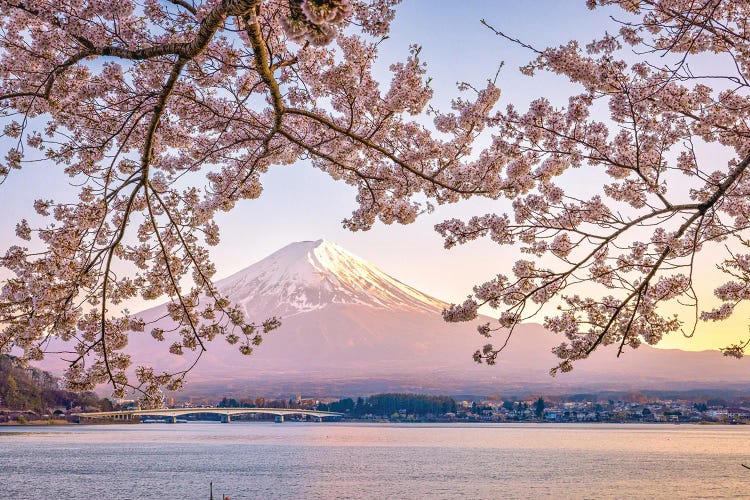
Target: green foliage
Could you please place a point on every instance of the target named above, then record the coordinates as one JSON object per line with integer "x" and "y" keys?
{"x": 343, "y": 406}
{"x": 37, "y": 390}
{"x": 417, "y": 404}
{"x": 398, "y": 404}
{"x": 242, "y": 403}
{"x": 539, "y": 406}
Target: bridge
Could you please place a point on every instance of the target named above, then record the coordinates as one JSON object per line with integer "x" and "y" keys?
{"x": 171, "y": 414}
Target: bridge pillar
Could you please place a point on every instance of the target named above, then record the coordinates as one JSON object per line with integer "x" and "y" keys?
{"x": 226, "y": 419}
{"x": 172, "y": 419}
{"x": 279, "y": 419}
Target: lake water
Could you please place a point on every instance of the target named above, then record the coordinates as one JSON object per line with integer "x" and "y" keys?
{"x": 340, "y": 460}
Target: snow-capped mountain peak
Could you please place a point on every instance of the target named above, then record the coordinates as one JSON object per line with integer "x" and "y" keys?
{"x": 349, "y": 328}
{"x": 310, "y": 275}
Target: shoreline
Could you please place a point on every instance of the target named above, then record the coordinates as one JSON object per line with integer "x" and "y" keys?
{"x": 36, "y": 423}
{"x": 57, "y": 423}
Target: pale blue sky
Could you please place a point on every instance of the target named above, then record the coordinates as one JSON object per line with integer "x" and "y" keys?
{"x": 301, "y": 203}
{"x": 456, "y": 47}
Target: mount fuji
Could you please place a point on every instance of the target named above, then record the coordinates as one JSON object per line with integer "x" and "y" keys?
{"x": 350, "y": 328}
{"x": 313, "y": 275}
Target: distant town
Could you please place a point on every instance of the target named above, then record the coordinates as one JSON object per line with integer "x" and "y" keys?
{"x": 32, "y": 396}
{"x": 414, "y": 408}
{"x": 633, "y": 408}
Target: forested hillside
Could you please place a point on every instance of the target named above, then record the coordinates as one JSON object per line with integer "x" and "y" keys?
{"x": 32, "y": 389}
{"x": 387, "y": 404}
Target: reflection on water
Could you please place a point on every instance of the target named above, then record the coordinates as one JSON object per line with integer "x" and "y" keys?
{"x": 314, "y": 460}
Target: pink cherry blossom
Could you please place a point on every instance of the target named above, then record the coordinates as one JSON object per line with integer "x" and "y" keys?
{"x": 612, "y": 259}
{"x": 166, "y": 113}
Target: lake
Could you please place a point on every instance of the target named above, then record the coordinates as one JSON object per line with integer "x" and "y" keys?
{"x": 345, "y": 460}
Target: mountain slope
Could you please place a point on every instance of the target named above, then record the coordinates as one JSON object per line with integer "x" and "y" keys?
{"x": 348, "y": 326}
{"x": 337, "y": 312}
{"x": 311, "y": 275}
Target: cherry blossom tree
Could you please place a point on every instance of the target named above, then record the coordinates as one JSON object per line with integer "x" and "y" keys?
{"x": 657, "y": 105}
{"x": 167, "y": 112}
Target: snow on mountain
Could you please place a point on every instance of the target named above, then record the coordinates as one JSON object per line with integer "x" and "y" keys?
{"x": 310, "y": 275}
{"x": 350, "y": 328}
{"x": 339, "y": 314}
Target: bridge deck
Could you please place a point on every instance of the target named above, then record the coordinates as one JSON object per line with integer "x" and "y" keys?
{"x": 176, "y": 412}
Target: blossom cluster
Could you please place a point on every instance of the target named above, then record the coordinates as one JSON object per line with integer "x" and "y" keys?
{"x": 616, "y": 257}
{"x": 167, "y": 113}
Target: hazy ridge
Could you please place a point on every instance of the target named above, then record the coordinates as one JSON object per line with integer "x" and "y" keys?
{"x": 350, "y": 328}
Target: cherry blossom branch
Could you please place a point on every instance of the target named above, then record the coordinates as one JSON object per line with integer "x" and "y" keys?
{"x": 653, "y": 110}
{"x": 132, "y": 103}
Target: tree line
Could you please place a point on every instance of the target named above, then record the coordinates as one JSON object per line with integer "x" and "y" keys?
{"x": 388, "y": 404}
{"x": 23, "y": 388}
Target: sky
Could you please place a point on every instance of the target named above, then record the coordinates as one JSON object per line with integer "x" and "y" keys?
{"x": 302, "y": 203}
